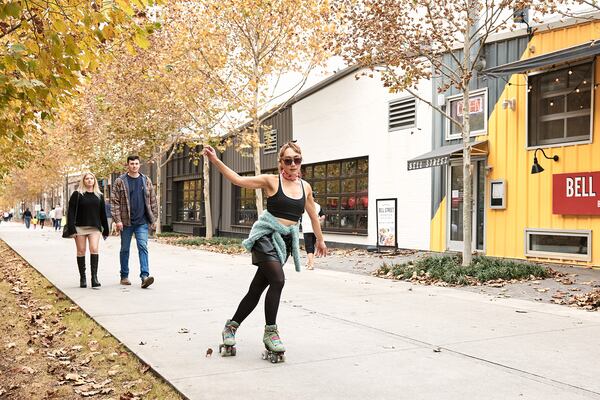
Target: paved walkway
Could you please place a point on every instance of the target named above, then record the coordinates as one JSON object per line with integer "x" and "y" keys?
{"x": 348, "y": 336}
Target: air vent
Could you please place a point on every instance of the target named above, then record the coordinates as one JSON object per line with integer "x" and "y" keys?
{"x": 270, "y": 141}
{"x": 402, "y": 114}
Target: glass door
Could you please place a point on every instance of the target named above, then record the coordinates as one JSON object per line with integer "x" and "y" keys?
{"x": 456, "y": 204}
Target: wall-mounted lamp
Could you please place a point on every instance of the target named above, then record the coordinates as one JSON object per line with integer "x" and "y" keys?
{"x": 537, "y": 168}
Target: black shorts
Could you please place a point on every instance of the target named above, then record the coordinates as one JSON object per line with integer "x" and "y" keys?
{"x": 264, "y": 249}
{"x": 309, "y": 242}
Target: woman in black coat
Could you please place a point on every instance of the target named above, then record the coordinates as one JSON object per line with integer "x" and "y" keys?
{"x": 86, "y": 222}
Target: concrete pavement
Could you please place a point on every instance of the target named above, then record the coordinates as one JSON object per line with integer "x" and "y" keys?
{"x": 348, "y": 336}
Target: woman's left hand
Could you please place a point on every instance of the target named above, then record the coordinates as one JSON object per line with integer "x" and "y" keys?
{"x": 321, "y": 250}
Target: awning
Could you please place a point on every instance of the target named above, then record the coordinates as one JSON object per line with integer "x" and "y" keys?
{"x": 444, "y": 154}
{"x": 570, "y": 54}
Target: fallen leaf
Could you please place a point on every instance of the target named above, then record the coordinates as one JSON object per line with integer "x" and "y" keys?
{"x": 26, "y": 370}
{"x": 73, "y": 377}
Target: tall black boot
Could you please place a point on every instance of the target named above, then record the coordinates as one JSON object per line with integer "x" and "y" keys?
{"x": 94, "y": 268}
{"x": 81, "y": 266}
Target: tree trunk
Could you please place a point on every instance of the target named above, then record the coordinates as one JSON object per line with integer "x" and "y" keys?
{"x": 207, "y": 209}
{"x": 258, "y": 192}
{"x": 466, "y": 133}
{"x": 158, "y": 195}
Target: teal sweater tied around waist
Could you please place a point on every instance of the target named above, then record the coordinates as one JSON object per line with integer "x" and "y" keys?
{"x": 267, "y": 224}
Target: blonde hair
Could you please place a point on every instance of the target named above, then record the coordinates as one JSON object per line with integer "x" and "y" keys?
{"x": 82, "y": 189}
{"x": 288, "y": 145}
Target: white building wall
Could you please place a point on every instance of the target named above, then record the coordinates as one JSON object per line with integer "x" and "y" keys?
{"x": 349, "y": 118}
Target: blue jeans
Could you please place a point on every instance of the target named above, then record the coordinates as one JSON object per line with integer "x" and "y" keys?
{"x": 27, "y": 222}
{"x": 141, "y": 238}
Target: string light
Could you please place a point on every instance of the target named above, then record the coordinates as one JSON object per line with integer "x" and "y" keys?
{"x": 551, "y": 104}
{"x": 557, "y": 80}
{"x": 570, "y": 72}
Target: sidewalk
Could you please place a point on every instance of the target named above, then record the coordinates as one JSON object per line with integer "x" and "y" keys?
{"x": 349, "y": 336}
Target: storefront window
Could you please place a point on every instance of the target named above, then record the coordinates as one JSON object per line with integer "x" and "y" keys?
{"x": 190, "y": 204}
{"x": 477, "y": 114}
{"x": 559, "y": 105}
{"x": 245, "y": 203}
{"x": 341, "y": 188}
{"x": 573, "y": 245}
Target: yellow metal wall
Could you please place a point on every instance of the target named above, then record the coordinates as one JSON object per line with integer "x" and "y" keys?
{"x": 437, "y": 239}
{"x": 529, "y": 197}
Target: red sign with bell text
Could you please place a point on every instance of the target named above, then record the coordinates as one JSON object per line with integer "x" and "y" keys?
{"x": 576, "y": 193}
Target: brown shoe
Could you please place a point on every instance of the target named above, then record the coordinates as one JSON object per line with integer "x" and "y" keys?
{"x": 125, "y": 281}
{"x": 147, "y": 281}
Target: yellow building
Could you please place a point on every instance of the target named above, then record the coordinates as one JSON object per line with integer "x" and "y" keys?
{"x": 538, "y": 96}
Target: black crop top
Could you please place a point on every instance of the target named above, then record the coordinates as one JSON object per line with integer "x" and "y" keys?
{"x": 282, "y": 206}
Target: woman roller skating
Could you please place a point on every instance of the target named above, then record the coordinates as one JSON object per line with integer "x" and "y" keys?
{"x": 274, "y": 236}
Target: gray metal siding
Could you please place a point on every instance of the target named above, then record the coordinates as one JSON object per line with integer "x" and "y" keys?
{"x": 180, "y": 168}
{"x": 282, "y": 121}
{"x": 495, "y": 54}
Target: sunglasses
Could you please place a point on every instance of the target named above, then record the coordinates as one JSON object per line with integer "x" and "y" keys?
{"x": 289, "y": 161}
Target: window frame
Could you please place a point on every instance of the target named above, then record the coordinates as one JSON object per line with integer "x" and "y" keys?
{"x": 400, "y": 100}
{"x": 587, "y": 233}
{"x": 458, "y": 97}
{"x": 198, "y": 201}
{"x": 236, "y": 195}
{"x": 528, "y": 145}
{"x": 321, "y": 198}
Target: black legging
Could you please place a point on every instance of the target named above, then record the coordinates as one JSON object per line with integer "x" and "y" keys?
{"x": 269, "y": 273}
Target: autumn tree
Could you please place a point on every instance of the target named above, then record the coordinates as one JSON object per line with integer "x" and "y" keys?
{"x": 426, "y": 39}
{"x": 45, "y": 49}
{"x": 150, "y": 101}
{"x": 261, "y": 42}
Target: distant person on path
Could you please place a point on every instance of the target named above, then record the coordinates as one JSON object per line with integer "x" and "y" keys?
{"x": 41, "y": 218}
{"x": 134, "y": 209}
{"x": 109, "y": 215}
{"x": 309, "y": 235}
{"x": 86, "y": 222}
{"x": 34, "y": 220}
{"x": 51, "y": 214}
{"x": 274, "y": 236}
{"x": 58, "y": 216}
{"x": 27, "y": 218}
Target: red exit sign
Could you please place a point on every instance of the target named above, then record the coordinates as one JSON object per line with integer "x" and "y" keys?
{"x": 576, "y": 193}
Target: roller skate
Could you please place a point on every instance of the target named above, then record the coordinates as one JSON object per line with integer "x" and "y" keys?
{"x": 274, "y": 347}
{"x": 228, "y": 347}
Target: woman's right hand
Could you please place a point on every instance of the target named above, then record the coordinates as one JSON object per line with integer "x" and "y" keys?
{"x": 209, "y": 152}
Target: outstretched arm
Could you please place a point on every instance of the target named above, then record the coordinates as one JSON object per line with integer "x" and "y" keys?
{"x": 263, "y": 181}
{"x": 321, "y": 249}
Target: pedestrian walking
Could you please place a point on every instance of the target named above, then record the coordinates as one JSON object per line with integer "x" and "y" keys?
{"x": 51, "y": 215}
{"x": 27, "y": 218}
{"x": 309, "y": 235}
{"x": 58, "y": 216}
{"x": 109, "y": 215}
{"x": 86, "y": 222}
{"x": 134, "y": 210}
{"x": 274, "y": 236}
{"x": 34, "y": 220}
{"x": 41, "y": 218}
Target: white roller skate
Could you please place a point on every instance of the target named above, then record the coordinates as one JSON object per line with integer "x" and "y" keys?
{"x": 228, "y": 347}
{"x": 275, "y": 349}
